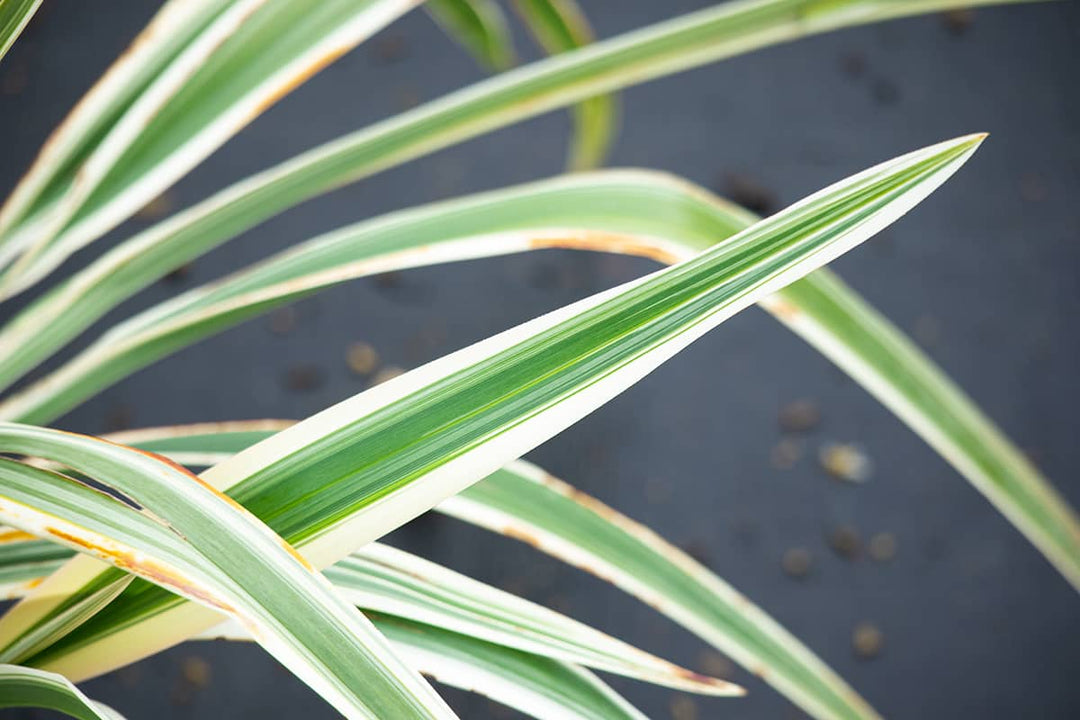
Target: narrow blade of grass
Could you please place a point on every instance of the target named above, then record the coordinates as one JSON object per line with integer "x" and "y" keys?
{"x": 731, "y": 28}
{"x": 560, "y": 26}
{"x": 523, "y": 502}
{"x": 378, "y": 578}
{"x": 160, "y": 522}
{"x": 245, "y": 58}
{"x": 480, "y": 27}
{"x": 23, "y": 687}
{"x": 536, "y": 686}
{"x": 395, "y": 451}
{"x": 14, "y": 15}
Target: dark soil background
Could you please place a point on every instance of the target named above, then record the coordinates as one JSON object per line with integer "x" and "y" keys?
{"x": 984, "y": 274}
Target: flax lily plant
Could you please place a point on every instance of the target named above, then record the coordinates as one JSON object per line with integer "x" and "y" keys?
{"x": 118, "y": 547}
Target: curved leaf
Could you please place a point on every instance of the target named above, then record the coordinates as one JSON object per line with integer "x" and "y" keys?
{"x": 523, "y": 502}
{"x": 163, "y": 524}
{"x": 398, "y": 449}
{"x": 381, "y": 578}
{"x": 536, "y": 686}
{"x": 239, "y": 58}
{"x": 559, "y": 26}
{"x": 14, "y": 15}
{"x": 378, "y": 578}
{"x": 662, "y": 49}
{"x": 616, "y": 209}
{"x": 23, "y": 687}
{"x": 479, "y": 26}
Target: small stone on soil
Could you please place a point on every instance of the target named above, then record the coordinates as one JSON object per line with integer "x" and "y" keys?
{"x": 196, "y": 671}
{"x": 853, "y": 64}
{"x": 283, "y": 320}
{"x": 362, "y": 358}
{"x": 867, "y": 641}
{"x": 799, "y": 416}
{"x": 786, "y": 453}
{"x": 157, "y": 208}
{"x": 303, "y": 378}
{"x": 882, "y": 547}
{"x": 797, "y": 563}
{"x": 845, "y": 462}
{"x": 845, "y": 542}
{"x": 958, "y": 21}
{"x": 750, "y": 194}
{"x": 716, "y": 665}
{"x": 683, "y": 708}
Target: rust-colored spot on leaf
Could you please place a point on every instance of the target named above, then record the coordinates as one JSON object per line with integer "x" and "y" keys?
{"x": 299, "y": 79}
{"x": 522, "y": 535}
{"x": 12, "y": 535}
{"x": 221, "y": 496}
{"x": 152, "y": 570}
{"x": 782, "y": 309}
{"x": 607, "y": 242}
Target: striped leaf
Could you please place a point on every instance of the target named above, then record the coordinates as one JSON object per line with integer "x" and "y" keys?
{"x": 159, "y": 522}
{"x": 25, "y": 561}
{"x": 381, "y": 578}
{"x": 23, "y": 687}
{"x": 613, "y": 209}
{"x": 378, "y": 578}
{"x": 536, "y": 686}
{"x": 523, "y": 502}
{"x": 60, "y": 622}
{"x": 479, "y": 26}
{"x": 398, "y": 449}
{"x": 559, "y": 26}
{"x": 662, "y": 49}
{"x": 200, "y": 72}
{"x": 14, "y": 15}
{"x": 625, "y": 212}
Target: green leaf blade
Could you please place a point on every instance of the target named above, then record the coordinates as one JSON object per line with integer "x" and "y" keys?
{"x": 239, "y": 63}
{"x": 14, "y": 16}
{"x": 559, "y": 26}
{"x": 662, "y": 49}
{"x": 485, "y": 405}
{"x": 536, "y": 686}
{"x": 23, "y": 687}
{"x": 523, "y": 502}
{"x": 479, "y": 26}
{"x": 183, "y": 535}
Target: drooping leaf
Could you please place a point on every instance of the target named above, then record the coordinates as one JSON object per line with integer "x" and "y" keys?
{"x": 378, "y": 578}
{"x": 536, "y": 686}
{"x": 398, "y": 449}
{"x": 381, "y": 578}
{"x": 611, "y": 210}
{"x": 524, "y": 502}
{"x": 23, "y": 687}
{"x": 160, "y": 522}
{"x": 14, "y": 15}
{"x": 662, "y": 49}
{"x": 200, "y": 72}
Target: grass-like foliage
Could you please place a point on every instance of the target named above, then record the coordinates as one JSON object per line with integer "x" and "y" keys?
{"x": 116, "y": 549}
